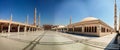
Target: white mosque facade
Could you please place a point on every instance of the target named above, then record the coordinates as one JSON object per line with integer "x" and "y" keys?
{"x": 89, "y": 26}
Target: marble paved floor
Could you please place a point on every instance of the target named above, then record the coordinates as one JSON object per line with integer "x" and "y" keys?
{"x": 40, "y": 40}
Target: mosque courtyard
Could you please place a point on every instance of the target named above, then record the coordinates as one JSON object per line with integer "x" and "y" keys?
{"x": 52, "y": 40}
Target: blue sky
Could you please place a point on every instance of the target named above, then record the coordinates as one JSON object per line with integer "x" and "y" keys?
{"x": 58, "y": 11}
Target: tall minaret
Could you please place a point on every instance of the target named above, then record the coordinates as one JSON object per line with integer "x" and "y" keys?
{"x": 11, "y": 17}
{"x": 35, "y": 17}
{"x": 119, "y": 21}
{"x": 11, "y": 14}
{"x": 115, "y": 16}
{"x": 71, "y": 20}
{"x": 27, "y": 19}
{"x": 39, "y": 21}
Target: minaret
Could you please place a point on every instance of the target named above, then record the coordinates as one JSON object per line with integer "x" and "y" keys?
{"x": 115, "y": 16}
{"x": 39, "y": 21}
{"x": 9, "y": 26}
{"x": 69, "y": 23}
{"x": 35, "y": 17}
{"x": 27, "y": 19}
{"x": 119, "y": 22}
{"x": 11, "y": 17}
{"x": 71, "y": 20}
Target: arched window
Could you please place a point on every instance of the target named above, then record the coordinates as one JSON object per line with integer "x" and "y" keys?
{"x": 80, "y": 29}
{"x": 84, "y": 29}
{"x": 103, "y": 29}
{"x": 107, "y": 30}
{"x": 87, "y": 29}
{"x": 92, "y": 29}
{"x": 95, "y": 29}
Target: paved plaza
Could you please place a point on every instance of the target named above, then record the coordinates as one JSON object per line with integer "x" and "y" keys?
{"x": 50, "y": 40}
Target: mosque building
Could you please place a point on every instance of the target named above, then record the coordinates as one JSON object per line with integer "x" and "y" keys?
{"x": 92, "y": 26}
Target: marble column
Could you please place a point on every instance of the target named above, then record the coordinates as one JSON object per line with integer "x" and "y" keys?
{"x": 67, "y": 28}
{"x": 83, "y": 28}
{"x": 1, "y": 28}
{"x": 9, "y": 25}
{"x": 32, "y": 29}
{"x": 25, "y": 29}
{"x": 91, "y": 29}
{"x": 18, "y": 28}
{"x": 73, "y": 29}
{"x": 29, "y": 29}
{"x": 99, "y": 30}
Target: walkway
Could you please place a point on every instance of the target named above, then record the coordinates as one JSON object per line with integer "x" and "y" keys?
{"x": 45, "y": 40}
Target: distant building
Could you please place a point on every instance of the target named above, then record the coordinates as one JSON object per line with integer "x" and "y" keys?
{"x": 58, "y": 28}
{"x": 47, "y": 27}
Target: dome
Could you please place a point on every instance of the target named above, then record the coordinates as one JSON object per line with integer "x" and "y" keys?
{"x": 89, "y": 19}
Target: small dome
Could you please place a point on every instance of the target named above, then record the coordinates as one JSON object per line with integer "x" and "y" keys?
{"x": 89, "y": 19}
